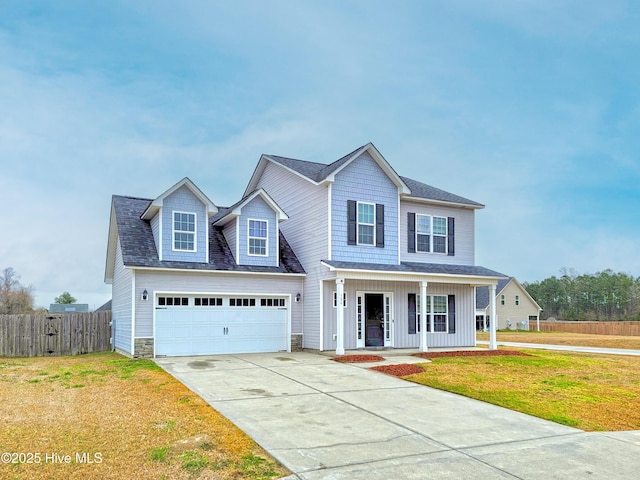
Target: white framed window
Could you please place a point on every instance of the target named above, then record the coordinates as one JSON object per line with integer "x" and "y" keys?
{"x": 184, "y": 231}
{"x": 366, "y": 223}
{"x": 501, "y": 299}
{"x": 423, "y": 233}
{"x": 439, "y": 235}
{"x": 431, "y": 234}
{"x": 517, "y": 299}
{"x": 335, "y": 299}
{"x": 258, "y": 238}
{"x": 440, "y": 312}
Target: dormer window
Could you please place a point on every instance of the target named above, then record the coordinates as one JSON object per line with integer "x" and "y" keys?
{"x": 184, "y": 231}
{"x": 258, "y": 237}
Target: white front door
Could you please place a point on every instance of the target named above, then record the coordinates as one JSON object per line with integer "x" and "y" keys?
{"x": 374, "y": 319}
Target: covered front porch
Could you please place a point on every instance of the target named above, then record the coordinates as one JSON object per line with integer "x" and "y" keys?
{"x": 411, "y": 305}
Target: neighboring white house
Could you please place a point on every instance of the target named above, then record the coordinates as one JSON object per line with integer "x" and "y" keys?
{"x": 320, "y": 256}
{"x": 515, "y": 308}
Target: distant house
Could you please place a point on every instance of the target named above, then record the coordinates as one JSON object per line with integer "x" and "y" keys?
{"x": 515, "y": 308}
{"x": 68, "y": 307}
{"x": 105, "y": 307}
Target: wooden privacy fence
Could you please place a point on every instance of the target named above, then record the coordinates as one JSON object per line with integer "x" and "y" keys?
{"x": 598, "y": 328}
{"x": 54, "y": 334}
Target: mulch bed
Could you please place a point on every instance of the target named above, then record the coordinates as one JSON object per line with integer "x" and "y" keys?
{"x": 399, "y": 370}
{"x": 358, "y": 358}
{"x": 472, "y": 353}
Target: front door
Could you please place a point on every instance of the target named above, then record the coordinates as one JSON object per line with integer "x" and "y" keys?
{"x": 374, "y": 320}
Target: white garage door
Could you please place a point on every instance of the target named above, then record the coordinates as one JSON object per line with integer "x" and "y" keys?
{"x": 205, "y": 325}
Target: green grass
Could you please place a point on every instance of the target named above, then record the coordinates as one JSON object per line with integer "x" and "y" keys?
{"x": 159, "y": 454}
{"x": 590, "y": 392}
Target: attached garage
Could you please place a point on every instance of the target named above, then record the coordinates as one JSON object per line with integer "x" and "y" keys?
{"x": 220, "y": 324}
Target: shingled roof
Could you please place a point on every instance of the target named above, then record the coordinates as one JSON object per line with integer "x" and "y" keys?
{"x": 318, "y": 172}
{"x": 482, "y": 293}
{"x": 139, "y": 248}
{"x": 415, "y": 267}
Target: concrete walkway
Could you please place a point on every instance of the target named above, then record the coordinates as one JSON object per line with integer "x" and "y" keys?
{"x": 568, "y": 348}
{"x": 326, "y": 420}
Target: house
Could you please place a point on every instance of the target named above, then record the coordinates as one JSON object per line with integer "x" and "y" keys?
{"x": 515, "y": 308}
{"x": 68, "y": 307}
{"x": 334, "y": 256}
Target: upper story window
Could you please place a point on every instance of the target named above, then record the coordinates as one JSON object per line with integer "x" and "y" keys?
{"x": 431, "y": 234}
{"x": 501, "y": 299}
{"x": 258, "y": 237}
{"x": 184, "y": 231}
{"x": 517, "y": 299}
{"x": 366, "y": 223}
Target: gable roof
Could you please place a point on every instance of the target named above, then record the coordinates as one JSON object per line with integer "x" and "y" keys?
{"x": 482, "y": 293}
{"x": 139, "y": 248}
{"x": 318, "y": 173}
{"x": 155, "y": 204}
{"x": 228, "y": 213}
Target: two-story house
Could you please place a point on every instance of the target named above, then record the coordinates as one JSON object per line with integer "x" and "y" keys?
{"x": 333, "y": 256}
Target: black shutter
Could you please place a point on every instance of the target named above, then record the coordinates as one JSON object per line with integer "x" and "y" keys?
{"x": 412, "y": 313}
{"x": 451, "y": 236}
{"x": 452, "y": 313}
{"x": 379, "y": 225}
{"x": 352, "y": 223}
{"x": 411, "y": 232}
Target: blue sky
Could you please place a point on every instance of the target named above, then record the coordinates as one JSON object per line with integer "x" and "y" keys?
{"x": 530, "y": 107}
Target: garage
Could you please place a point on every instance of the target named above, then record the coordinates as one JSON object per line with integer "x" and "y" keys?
{"x": 220, "y": 324}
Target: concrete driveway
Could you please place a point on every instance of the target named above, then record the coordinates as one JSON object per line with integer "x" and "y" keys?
{"x": 325, "y": 420}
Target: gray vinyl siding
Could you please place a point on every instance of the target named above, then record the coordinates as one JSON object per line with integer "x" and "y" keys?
{"x": 121, "y": 303}
{"x": 183, "y": 200}
{"x": 229, "y": 232}
{"x": 306, "y": 230}
{"x": 210, "y": 283}
{"x": 465, "y": 313}
{"x": 155, "y": 228}
{"x": 257, "y": 209}
{"x": 364, "y": 181}
{"x": 464, "y": 234}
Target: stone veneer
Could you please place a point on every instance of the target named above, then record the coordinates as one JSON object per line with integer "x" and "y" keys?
{"x": 296, "y": 342}
{"x": 143, "y": 348}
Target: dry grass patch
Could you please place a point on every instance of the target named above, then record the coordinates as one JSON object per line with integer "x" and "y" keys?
{"x": 562, "y": 338}
{"x": 590, "y": 392}
{"x": 129, "y": 416}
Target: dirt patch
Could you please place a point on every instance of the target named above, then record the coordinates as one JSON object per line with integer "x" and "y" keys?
{"x": 399, "y": 370}
{"x": 358, "y": 358}
{"x": 472, "y": 353}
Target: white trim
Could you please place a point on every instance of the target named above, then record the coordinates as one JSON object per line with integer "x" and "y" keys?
{"x": 216, "y": 272}
{"x": 399, "y": 233}
{"x": 372, "y": 225}
{"x": 432, "y": 235}
{"x": 160, "y": 235}
{"x": 390, "y": 329}
{"x": 151, "y": 210}
{"x": 340, "y": 318}
{"x": 277, "y": 244}
{"x": 133, "y": 312}
{"x": 472, "y": 280}
{"x": 288, "y": 296}
{"x": 442, "y": 202}
{"x": 237, "y": 240}
{"x": 321, "y": 316}
{"x": 237, "y": 209}
{"x": 174, "y": 231}
{"x": 329, "y": 217}
{"x": 265, "y": 238}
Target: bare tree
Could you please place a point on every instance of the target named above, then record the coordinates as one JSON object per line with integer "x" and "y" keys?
{"x": 14, "y": 298}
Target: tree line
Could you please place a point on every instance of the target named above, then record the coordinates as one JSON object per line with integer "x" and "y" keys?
{"x": 601, "y": 296}
{"x": 16, "y": 298}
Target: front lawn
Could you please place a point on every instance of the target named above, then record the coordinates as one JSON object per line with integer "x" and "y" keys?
{"x": 563, "y": 338}
{"x": 590, "y": 392}
{"x": 106, "y": 416}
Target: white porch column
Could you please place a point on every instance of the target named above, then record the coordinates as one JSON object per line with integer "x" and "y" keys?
{"x": 340, "y": 316}
{"x": 493, "y": 345}
{"x": 423, "y": 317}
